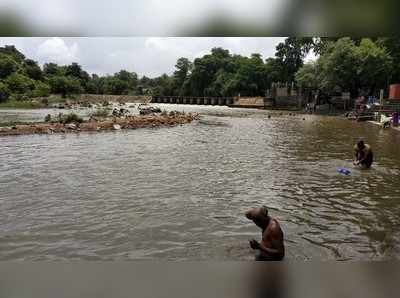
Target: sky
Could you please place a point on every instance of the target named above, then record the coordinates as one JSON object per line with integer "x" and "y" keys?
{"x": 149, "y": 56}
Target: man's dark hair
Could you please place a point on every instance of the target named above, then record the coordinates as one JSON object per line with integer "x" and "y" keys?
{"x": 264, "y": 211}
{"x": 360, "y": 144}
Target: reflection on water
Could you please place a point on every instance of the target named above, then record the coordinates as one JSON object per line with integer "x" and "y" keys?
{"x": 180, "y": 193}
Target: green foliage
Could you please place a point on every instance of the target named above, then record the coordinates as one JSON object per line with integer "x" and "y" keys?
{"x": 339, "y": 66}
{"x": 47, "y": 118}
{"x": 348, "y": 65}
{"x": 130, "y": 78}
{"x": 52, "y": 69}
{"x": 101, "y": 112}
{"x": 343, "y": 64}
{"x": 7, "y": 66}
{"x": 33, "y": 70}
{"x": 69, "y": 118}
{"x": 65, "y": 85}
{"x": 374, "y": 65}
{"x": 291, "y": 54}
{"x": 392, "y": 47}
{"x": 113, "y": 85}
{"x": 183, "y": 68}
{"x": 308, "y": 76}
{"x": 19, "y": 84}
{"x": 13, "y": 53}
{"x": 41, "y": 89}
{"x": 4, "y": 92}
{"x": 25, "y": 103}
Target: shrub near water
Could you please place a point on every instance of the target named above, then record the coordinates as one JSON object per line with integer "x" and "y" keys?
{"x": 69, "y": 118}
{"x": 24, "y": 104}
{"x": 102, "y": 112}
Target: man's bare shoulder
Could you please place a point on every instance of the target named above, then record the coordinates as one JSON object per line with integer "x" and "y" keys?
{"x": 274, "y": 226}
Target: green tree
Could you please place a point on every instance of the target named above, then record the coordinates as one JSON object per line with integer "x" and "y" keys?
{"x": 163, "y": 85}
{"x": 115, "y": 86}
{"x": 13, "y": 53}
{"x": 75, "y": 70}
{"x": 183, "y": 67}
{"x": 130, "y": 78}
{"x": 374, "y": 66}
{"x": 41, "y": 89}
{"x": 19, "y": 84}
{"x": 33, "y": 70}
{"x": 308, "y": 76}
{"x": 392, "y": 47}
{"x": 339, "y": 67}
{"x": 65, "y": 85}
{"x": 4, "y": 92}
{"x": 291, "y": 53}
{"x": 7, "y": 66}
{"x": 52, "y": 69}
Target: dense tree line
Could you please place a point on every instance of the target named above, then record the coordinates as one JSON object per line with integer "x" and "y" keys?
{"x": 343, "y": 64}
{"x": 359, "y": 66}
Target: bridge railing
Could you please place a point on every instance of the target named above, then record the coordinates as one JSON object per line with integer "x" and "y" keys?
{"x": 206, "y": 100}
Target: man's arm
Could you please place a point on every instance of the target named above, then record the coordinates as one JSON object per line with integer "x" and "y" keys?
{"x": 366, "y": 152}
{"x": 276, "y": 242}
{"x": 355, "y": 155}
{"x": 270, "y": 251}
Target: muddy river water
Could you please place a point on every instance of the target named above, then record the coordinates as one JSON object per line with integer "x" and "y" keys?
{"x": 180, "y": 193}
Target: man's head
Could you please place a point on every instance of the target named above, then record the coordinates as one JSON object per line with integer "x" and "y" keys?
{"x": 360, "y": 144}
{"x": 259, "y": 216}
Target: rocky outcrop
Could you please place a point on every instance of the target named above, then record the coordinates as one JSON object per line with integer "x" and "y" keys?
{"x": 102, "y": 124}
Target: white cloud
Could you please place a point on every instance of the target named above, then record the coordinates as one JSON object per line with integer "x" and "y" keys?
{"x": 175, "y": 46}
{"x": 56, "y": 50}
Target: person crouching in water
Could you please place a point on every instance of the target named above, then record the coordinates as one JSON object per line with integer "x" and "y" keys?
{"x": 363, "y": 154}
{"x": 271, "y": 247}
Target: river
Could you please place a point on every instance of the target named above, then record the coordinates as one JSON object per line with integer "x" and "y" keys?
{"x": 180, "y": 193}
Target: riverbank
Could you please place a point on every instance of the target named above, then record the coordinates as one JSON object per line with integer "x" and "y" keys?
{"x": 380, "y": 124}
{"x": 101, "y": 124}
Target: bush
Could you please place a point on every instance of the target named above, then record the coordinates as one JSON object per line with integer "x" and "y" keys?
{"x": 4, "y": 92}
{"x": 19, "y": 97}
{"x": 19, "y": 84}
{"x": 18, "y": 104}
{"x": 69, "y": 118}
{"x": 47, "y": 118}
{"x": 102, "y": 112}
{"x": 7, "y": 66}
{"x": 65, "y": 85}
{"x": 41, "y": 90}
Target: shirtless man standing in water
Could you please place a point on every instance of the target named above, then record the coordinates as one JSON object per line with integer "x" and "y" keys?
{"x": 363, "y": 155}
{"x": 271, "y": 247}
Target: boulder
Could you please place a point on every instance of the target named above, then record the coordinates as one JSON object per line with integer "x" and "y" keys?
{"x": 71, "y": 126}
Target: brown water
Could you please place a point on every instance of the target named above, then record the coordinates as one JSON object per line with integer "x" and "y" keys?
{"x": 180, "y": 193}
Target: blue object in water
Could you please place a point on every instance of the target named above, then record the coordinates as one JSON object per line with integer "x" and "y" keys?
{"x": 343, "y": 171}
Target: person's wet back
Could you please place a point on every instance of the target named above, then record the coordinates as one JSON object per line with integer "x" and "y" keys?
{"x": 363, "y": 154}
{"x": 271, "y": 247}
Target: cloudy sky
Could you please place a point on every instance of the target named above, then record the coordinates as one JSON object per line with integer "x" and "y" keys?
{"x": 150, "y": 56}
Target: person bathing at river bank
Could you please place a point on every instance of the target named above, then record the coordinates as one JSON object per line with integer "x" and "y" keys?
{"x": 271, "y": 247}
{"x": 363, "y": 154}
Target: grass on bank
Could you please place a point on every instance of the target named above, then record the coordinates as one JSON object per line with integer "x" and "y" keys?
{"x": 101, "y": 112}
{"x": 38, "y": 103}
{"x": 16, "y": 104}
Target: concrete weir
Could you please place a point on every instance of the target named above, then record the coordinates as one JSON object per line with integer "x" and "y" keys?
{"x": 215, "y": 101}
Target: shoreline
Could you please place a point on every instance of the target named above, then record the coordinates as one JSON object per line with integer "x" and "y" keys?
{"x": 379, "y": 124}
{"x": 97, "y": 124}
